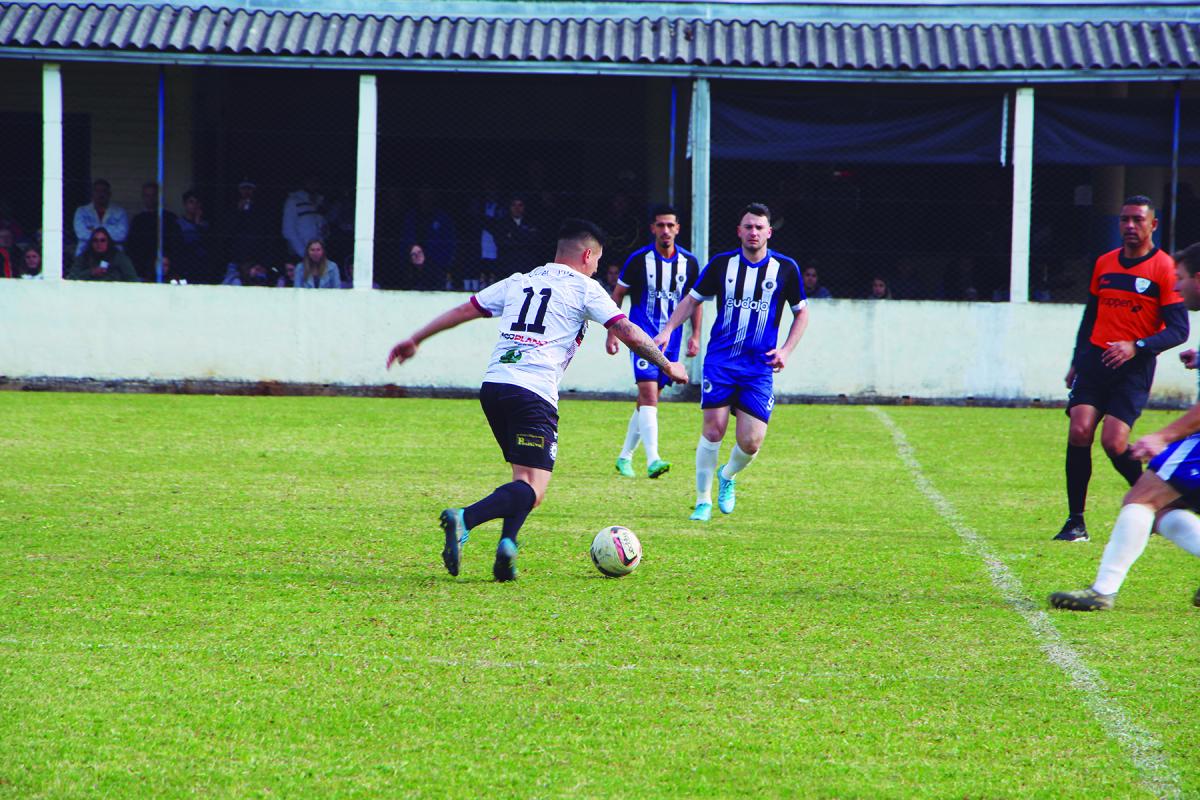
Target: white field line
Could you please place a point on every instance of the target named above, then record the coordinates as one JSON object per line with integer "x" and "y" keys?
{"x": 1143, "y": 748}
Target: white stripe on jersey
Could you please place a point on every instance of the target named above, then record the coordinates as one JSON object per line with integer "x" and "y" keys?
{"x": 746, "y": 292}
{"x": 1172, "y": 463}
{"x": 770, "y": 279}
{"x": 731, "y": 269}
{"x": 652, "y": 310}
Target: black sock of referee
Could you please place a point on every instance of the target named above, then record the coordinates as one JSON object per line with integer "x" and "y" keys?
{"x": 1129, "y": 467}
{"x": 1079, "y": 473}
{"x": 512, "y": 500}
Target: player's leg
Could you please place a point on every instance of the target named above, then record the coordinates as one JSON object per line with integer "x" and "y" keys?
{"x": 754, "y": 403}
{"x": 535, "y": 480}
{"x": 632, "y": 437}
{"x": 1128, "y": 398}
{"x": 1128, "y": 540}
{"x": 716, "y": 421}
{"x": 1084, "y": 419}
{"x": 1114, "y": 438}
{"x": 648, "y": 394}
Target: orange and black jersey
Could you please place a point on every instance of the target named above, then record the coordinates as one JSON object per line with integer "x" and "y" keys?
{"x": 1134, "y": 300}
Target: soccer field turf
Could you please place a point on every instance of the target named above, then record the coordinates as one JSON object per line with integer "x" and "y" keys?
{"x": 243, "y": 597}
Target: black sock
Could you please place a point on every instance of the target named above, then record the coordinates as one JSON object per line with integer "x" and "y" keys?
{"x": 1129, "y": 467}
{"x": 1079, "y": 473}
{"x": 514, "y": 521}
{"x": 515, "y": 498}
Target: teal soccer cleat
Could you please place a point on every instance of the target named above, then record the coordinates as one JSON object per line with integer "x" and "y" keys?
{"x": 658, "y": 468}
{"x": 505, "y": 568}
{"x": 726, "y": 493}
{"x": 456, "y": 536}
{"x": 703, "y": 512}
{"x": 625, "y": 467}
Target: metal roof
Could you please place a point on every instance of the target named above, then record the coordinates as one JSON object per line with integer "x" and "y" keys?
{"x": 678, "y": 45}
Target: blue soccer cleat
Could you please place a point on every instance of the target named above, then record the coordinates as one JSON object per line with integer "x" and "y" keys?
{"x": 505, "y": 568}
{"x": 625, "y": 467}
{"x": 703, "y": 512}
{"x": 726, "y": 493}
{"x": 456, "y": 536}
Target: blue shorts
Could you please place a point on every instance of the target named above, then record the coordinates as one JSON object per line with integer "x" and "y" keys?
{"x": 1179, "y": 465}
{"x": 749, "y": 390}
{"x": 643, "y": 370}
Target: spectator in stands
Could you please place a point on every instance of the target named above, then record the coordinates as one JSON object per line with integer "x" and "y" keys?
{"x": 812, "y": 284}
{"x": 10, "y": 257}
{"x": 252, "y": 234}
{"x": 879, "y": 289}
{"x": 316, "y": 271}
{"x": 622, "y": 226}
{"x": 100, "y": 213}
{"x": 142, "y": 244}
{"x": 304, "y": 217}
{"x": 194, "y": 259}
{"x": 517, "y": 241}
{"x": 960, "y": 282}
{"x": 486, "y": 211}
{"x": 432, "y": 225}
{"x": 251, "y": 272}
{"x": 609, "y": 276}
{"x": 33, "y": 263}
{"x": 415, "y": 272}
{"x": 102, "y": 260}
{"x": 7, "y": 220}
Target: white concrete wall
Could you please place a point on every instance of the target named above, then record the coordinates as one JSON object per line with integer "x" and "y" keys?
{"x": 853, "y": 347}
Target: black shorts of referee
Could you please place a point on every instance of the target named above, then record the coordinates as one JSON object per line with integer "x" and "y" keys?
{"x": 1122, "y": 392}
{"x": 525, "y": 424}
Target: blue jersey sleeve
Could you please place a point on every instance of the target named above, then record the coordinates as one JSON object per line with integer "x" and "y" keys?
{"x": 693, "y": 274}
{"x": 708, "y": 283}
{"x": 793, "y": 286}
{"x": 633, "y": 274}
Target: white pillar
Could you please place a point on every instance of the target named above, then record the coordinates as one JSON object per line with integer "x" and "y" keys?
{"x": 700, "y": 151}
{"x": 364, "y": 197}
{"x": 1022, "y": 200}
{"x": 52, "y": 172}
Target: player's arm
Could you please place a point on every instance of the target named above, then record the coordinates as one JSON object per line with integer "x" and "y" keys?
{"x": 779, "y": 355}
{"x": 1152, "y": 444}
{"x": 407, "y": 348}
{"x": 682, "y": 311}
{"x": 618, "y": 296}
{"x": 693, "y": 342}
{"x": 637, "y": 341}
{"x": 1174, "y": 316}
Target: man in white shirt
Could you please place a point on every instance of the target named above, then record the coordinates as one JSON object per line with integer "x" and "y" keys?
{"x": 543, "y": 316}
{"x": 100, "y": 214}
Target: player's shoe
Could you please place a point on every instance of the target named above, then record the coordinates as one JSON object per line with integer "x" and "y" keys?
{"x": 702, "y": 513}
{"x": 658, "y": 468}
{"x": 1083, "y": 600}
{"x": 625, "y": 467}
{"x": 1196, "y": 599}
{"x": 505, "y": 568}
{"x": 1073, "y": 530}
{"x": 456, "y": 536}
{"x": 726, "y": 493}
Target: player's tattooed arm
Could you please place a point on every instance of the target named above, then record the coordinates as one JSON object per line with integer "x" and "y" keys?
{"x": 637, "y": 341}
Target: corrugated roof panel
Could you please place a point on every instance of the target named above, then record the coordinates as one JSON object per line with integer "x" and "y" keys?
{"x": 750, "y": 44}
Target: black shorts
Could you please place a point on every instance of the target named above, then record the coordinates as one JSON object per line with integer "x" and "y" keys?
{"x": 1121, "y": 392}
{"x": 525, "y": 425}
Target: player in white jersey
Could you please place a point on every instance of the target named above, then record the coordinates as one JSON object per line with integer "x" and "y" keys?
{"x": 751, "y": 286}
{"x": 656, "y": 277}
{"x": 543, "y": 316}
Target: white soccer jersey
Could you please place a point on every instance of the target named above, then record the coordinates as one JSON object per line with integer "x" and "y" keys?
{"x": 543, "y": 316}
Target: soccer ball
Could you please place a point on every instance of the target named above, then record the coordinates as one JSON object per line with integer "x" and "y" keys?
{"x": 616, "y": 551}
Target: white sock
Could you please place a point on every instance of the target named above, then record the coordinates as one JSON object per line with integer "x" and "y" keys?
{"x": 648, "y": 428}
{"x": 1183, "y": 528}
{"x": 1128, "y": 540}
{"x": 706, "y": 465}
{"x": 739, "y": 459}
{"x": 631, "y": 436}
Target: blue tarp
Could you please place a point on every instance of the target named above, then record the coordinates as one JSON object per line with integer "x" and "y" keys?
{"x": 856, "y": 131}
{"x": 1098, "y": 131}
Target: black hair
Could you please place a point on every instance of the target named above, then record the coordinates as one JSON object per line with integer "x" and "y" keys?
{"x": 101, "y": 182}
{"x": 1139, "y": 200}
{"x": 1190, "y": 258}
{"x": 578, "y": 230}
{"x": 190, "y": 193}
{"x": 662, "y": 210}
{"x": 758, "y": 210}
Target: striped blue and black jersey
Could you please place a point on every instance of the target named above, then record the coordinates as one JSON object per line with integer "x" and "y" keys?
{"x": 749, "y": 302}
{"x": 656, "y": 285}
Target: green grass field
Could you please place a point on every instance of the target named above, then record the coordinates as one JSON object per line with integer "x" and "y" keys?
{"x": 243, "y": 597}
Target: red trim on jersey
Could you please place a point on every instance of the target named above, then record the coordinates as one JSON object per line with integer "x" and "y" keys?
{"x": 614, "y": 320}
{"x": 482, "y": 310}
